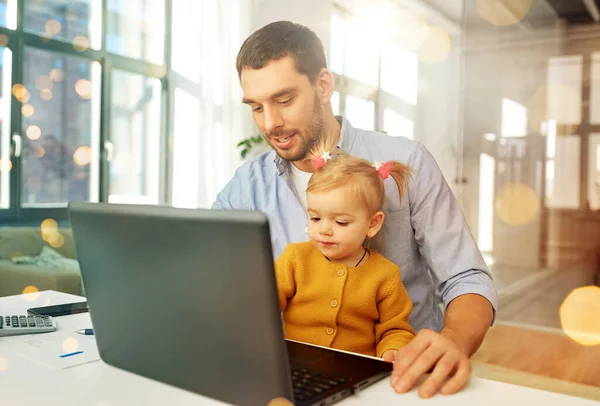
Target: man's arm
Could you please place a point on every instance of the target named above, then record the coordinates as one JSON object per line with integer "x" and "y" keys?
{"x": 232, "y": 197}
{"x": 463, "y": 282}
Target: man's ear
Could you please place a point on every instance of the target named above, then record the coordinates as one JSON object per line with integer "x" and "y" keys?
{"x": 375, "y": 224}
{"x": 324, "y": 85}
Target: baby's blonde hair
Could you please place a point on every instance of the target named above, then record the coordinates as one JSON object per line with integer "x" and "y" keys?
{"x": 361, "y": 176}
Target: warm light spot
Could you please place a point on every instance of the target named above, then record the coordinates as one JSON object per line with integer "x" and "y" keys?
{"x": 43, "y": 82}
{"x": 31, "y": 293}
{"x": 80, "y": 43}
{"x": 280, "y": 402}
{"x": 33, "y": 132}
{"x": 56, "y": 240}
{"x": 53, "y": 27}
{"x": 57, "y": 75}
{"x": 579, "y": 315}
{"x": 437, "y": 46}
{"x": 19, "y": 91}
{"x": 83, "y": 87}
{"x": 46, "y": 94}
{"x": 5, "y": 165}
{"x": 516, "y": 204}
{"x": 25, "y": 97}
{"x": 503, "y": 12}
{"x": 82, "y": 155}
{"x": 70, "y": 344}
{"x": 27, "y": 110}
{"x": 40, "y": 151}
{"x": 3, "y": 40}
{"x": 49, "y": 227}
{"x": 3, "y": 364}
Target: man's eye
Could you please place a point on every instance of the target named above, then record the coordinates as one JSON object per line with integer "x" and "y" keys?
{"x": 257, "y": 109}
{"x": 288, "y": 101}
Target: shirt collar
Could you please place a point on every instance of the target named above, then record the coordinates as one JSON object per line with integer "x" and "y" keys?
{"x": 345, "y": 143}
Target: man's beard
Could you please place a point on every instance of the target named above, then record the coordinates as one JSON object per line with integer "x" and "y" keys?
{"x": 311, "y": 137}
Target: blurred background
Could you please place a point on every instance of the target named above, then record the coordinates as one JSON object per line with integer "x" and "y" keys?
{"x": 138, "y": 101}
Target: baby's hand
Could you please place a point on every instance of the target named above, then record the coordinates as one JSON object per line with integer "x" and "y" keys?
{"x": 389, "y": 355}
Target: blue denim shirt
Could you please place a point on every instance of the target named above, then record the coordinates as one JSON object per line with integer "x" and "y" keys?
{"x": 426, "y": 235}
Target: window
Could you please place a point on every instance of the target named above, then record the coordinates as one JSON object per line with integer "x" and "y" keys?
{"x": 57, "y": 121}
{"x": 135, "y": 129}
{"x": 86, "y": 118}
{"x": 397, "y": 125}
{"x": 376, "y": 87}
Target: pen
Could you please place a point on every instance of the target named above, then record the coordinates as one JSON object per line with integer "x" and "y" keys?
{"x": 70, "y": 354}
{"x": 86, "y": 332}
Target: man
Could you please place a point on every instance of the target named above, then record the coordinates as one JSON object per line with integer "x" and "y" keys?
{"x": 284, "y": 77}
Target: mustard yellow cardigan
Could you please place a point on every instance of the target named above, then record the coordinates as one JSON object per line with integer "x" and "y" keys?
{"x": 363, "y": 309}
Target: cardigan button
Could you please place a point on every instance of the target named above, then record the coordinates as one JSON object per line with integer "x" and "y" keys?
{"x": 334, "y": 303}
{"x": 341, "y": 272}
{"x": 329, "y": 331}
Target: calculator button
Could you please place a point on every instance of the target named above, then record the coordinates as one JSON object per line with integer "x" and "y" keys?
{"x": 30, "y": 321}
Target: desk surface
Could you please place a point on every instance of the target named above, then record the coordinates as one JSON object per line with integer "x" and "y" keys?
{"x": 23, "y": 382}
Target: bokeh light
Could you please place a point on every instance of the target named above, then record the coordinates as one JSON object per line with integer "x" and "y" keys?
{"x": 48, "y": 227}
{"x": 70, "y": 344}
{"x": 503, "y": 13}
{"x": 516, "y": 204}
{"x": 552, "y": 102}
{"x": 46, "y": 94}
{"x": 32, "y": 293}
{"x": 43, "y": 82}
{"x": 27, "y": 110}
{"x": 580, "y": 315}
{"x": 82, "y": 155}
{"x": 52, "y": 27}
{"x": 83, "y": 87}
{"x": 80, "y": 43}
{"x": 33, "y": 132}
{"x": 56, "y": 240}
{"x": 5, "y": 165}
{"x": 40, "y": 152}
{"x": 57, "y": 75}
{"x": 437, "y": 46}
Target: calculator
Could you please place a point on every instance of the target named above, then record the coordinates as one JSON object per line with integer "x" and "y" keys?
{"x": 11, "y": 325}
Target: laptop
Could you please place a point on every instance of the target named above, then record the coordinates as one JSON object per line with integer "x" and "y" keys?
{"x": 189, "y": 298}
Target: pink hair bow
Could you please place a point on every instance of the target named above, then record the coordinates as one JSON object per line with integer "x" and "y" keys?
{"x": 318, "y": 162}
{"x": 384, "y": 169}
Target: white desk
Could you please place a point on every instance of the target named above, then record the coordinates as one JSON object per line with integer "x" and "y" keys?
{"x": 23, "y": 382}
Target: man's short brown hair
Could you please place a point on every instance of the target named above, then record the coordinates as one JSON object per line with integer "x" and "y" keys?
{"x": 279, "y": 39}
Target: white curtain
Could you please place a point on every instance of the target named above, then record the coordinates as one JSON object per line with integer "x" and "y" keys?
{"x": 209, "y": 118}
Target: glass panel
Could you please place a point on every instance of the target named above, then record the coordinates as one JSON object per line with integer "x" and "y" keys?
{"x": 77, "y": 21}
{"x": 135, "y": 134}
{"x": 186, "y": 150}
{"x": 186, "y": 31}
{"x": 564, "y": 89}
{"x": 136, "y": 28}
{"x": 337, "y": 44}
{"x": 594, "y": 172}
{"x": 565, "y": 190}
{"x": 514, "y": 118}
{"x": 8, "y": 14}
{"x": 595, "y": 89}
{"x": 335, "y": 103}
{"x": 397, "y": 125}
{"x": 400, "y": 73}
{"x": 5, "y": 99}
{"x": 361, "y": 57}
{"x": 360, "y": 112}
{"x": 60, "y": 109}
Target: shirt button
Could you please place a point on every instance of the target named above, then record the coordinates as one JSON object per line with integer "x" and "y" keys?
{"x": 334, "y": 303}
{"x": 341, "y": 272}
{"x": 329, "y": 331}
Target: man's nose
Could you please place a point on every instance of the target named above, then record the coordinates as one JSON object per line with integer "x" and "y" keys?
{"x": 273, "y": 119}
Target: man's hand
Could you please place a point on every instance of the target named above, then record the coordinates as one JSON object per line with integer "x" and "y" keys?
{"x": 430, "y": 352}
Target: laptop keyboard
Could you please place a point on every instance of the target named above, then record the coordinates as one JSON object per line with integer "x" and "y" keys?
{"x": 309, "y": 384}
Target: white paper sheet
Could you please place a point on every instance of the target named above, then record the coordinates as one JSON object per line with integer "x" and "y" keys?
{"x": 46, "y": 348}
